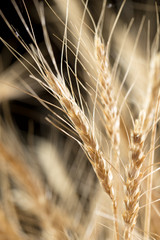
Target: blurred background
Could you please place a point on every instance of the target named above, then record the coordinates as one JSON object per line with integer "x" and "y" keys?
{"x": 26, "y": 113}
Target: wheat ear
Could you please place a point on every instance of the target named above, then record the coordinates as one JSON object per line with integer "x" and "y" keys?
{"x": 109, "y": 106}
{"x": 137, "y": 156}
{"x": 110, "y": 111}
{"x": 85, "y": 132}
{"x": 134, "y": 175}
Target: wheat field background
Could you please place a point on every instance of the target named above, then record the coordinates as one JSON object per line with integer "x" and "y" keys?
{"x": 79, "y": 120}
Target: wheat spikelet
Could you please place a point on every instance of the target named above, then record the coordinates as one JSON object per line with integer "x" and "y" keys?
{"x": 134, "y": 175}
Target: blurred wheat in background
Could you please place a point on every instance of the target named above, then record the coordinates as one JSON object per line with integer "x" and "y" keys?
{"x": 79, "y": 123}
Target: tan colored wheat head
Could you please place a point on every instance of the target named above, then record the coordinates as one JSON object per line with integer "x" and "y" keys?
{"x": 120, "y": 148}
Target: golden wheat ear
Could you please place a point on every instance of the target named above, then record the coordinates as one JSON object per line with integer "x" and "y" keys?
{"x": 122, "y": 176}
